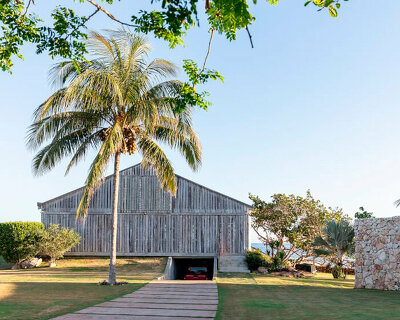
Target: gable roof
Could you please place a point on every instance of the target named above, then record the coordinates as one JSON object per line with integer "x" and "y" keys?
{"x": 140, "y": 191}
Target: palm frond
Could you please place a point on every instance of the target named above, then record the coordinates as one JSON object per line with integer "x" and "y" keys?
{"x": 97, "y": 170}
{"x": 116, "y": 92}
{"x": 155, "y": 158}
{"x": 187, "y": 143}
{"x": 336, "y": 240}
{"x": 94, "y": 89}
{"x": 48, "y": 157}
{"x": 61, "y": 124}
{"x": 100, "y": 46}
{"x": 320, "y": 252}
{"x": 160, "y": 69}
{"x": 65, "y": 72}
{"x": 319, "y": 242}
{"x": 91, "y": 141}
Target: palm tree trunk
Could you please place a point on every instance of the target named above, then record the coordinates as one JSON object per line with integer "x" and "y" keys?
{"x": 112, "y": 278}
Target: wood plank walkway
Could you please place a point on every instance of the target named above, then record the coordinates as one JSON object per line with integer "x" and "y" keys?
{"x": 159, "y": 300}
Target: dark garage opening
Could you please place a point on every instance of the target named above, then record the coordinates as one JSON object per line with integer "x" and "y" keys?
{"x": 182, "y": 265}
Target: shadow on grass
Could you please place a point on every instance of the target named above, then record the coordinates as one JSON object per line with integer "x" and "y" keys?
{"x": 303, "y": 301}
{"x": 43, "y": 293}
{"x": 41, "y": 300}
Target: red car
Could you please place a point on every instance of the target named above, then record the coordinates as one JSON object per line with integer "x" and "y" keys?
{"x": 196, "y": 273}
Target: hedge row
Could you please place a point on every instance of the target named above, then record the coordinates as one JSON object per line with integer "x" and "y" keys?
{"x": 23, "y": 240}
{"x": 18, "y": 240}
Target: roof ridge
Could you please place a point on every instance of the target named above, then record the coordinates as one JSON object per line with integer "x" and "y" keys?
{"x": 39, "y": 204}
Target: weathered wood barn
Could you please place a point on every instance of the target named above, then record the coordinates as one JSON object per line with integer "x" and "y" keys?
{"x": 197, "y": 223}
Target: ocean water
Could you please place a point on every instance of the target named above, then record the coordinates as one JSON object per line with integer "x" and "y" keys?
{"x": 318, "y": 260}
{"x": 262, "y": 247}
{"x": 259, "y": 245}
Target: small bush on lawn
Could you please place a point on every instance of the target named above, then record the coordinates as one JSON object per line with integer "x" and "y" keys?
{"x": 278, "y": 262}
{"x": 56, "y": 240}
{"x": 19, "y": 240}
{"x": 255, "y": 259}
{"x": 338, "y": 273}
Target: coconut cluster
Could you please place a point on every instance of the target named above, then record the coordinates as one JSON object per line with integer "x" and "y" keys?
{"x": 129, "y": 143}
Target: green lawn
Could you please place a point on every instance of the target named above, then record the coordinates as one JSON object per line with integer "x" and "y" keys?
{"x": 44, "y": 292}
{"x": 320, "y": 297}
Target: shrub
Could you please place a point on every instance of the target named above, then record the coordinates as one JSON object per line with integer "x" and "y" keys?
{"x": 278, "y": 261}
{"x": 56, "y": 240}
{"x": 306, "y": 267}
{"x": 19, "y": 240}
{"x": 338, "y": 273}
{"x": 255, "y": 259}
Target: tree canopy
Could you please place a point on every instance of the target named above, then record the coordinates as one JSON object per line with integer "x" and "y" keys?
{"x": 118, "y": 103}
{"x": 169, "y": 20}
{"x": 335, "y": 242}
{"x": 290, "y": 224}
{"x": 363, "y": 214}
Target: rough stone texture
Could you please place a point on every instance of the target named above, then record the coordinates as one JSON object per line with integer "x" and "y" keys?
{"x": 377, "y": 253}
{"x": 28, "y": 264}
{"x": 291, "y": 274}
{"x": 262, "y": 270}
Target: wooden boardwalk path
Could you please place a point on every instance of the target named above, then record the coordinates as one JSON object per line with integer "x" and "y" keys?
{"x": 159, "y": 300}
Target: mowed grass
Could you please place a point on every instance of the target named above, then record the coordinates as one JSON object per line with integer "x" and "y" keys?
{"x": 251, "y": 296}
{"x": 43, "y": 293}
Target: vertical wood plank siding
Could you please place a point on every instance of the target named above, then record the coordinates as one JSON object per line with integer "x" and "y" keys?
{"x": 140, "y": 191}
{"x": 151, "y": 221}
{"x": 159, "y": 233}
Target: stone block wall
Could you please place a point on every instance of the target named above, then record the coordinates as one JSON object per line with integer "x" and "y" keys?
{"x": 377, "y": 253}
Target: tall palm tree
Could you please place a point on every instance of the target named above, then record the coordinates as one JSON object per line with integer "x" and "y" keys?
{"x": 117, "y": 103}
{"x": 336, "y": 241}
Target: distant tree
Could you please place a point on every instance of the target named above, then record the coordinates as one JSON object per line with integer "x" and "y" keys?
{"x": 363, "y": 214}
{"x": 55, "y": 241}
{"x": 336, "y": 241}
{"x": 290, "y": 224}
{"x": 116, "y": 104}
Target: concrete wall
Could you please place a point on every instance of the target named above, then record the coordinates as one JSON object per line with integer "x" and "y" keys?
{"x": 377, "y": 242}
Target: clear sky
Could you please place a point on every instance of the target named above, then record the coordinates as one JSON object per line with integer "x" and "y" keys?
{"x": 315, "y": 105}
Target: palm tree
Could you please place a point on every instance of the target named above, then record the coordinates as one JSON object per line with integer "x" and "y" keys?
{"x": 337, "y": 240}
{"x": 117, "y": 103}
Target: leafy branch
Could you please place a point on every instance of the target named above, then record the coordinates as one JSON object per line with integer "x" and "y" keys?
{"x": 65, "y": 35}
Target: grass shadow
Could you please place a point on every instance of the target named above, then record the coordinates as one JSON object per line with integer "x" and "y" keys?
{"x": 44, "y": 300}
{"x": 43, "y": 293}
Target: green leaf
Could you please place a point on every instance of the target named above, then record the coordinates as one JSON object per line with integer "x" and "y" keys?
{"x": 319, "y": 3}
{"x": 332, "y": 11}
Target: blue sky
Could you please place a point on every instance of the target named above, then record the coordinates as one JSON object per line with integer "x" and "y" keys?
{"x": 313, "y": 106}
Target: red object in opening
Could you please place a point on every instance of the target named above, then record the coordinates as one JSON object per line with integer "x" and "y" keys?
{"x": 196, "y": 273}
